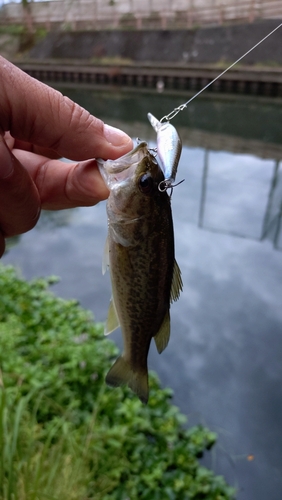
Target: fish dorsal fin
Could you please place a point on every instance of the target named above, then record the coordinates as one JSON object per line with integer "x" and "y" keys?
{"x": 112, "y": 322}
{"x": 176, "y": 285}
{"x": 106, "y": 259}
{"x": 162, "y": 337}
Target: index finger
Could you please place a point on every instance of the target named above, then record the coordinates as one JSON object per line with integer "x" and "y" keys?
{"x": 36, "y": 113}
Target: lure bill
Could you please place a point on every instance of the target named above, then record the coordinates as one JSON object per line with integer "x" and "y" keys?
{"x": 140, "y": 255}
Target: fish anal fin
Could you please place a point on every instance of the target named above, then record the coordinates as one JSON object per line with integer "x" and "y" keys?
{"x": 177, "y": 284}
{"x": 162, "y": 336}
{"x": 122, "y": 374}
{"x": 112, "y": 322}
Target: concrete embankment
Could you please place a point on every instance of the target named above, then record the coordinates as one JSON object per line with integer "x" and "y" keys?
{"x": 177, "y": 60}
{"x": 246, "y": 80}
{"x": 212, "y": 45}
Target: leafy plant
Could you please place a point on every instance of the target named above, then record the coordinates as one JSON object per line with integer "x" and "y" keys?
{"x": 63, "y": 433}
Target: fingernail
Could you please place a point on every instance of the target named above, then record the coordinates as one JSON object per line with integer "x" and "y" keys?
{"x": 115, "y": 136}
{"x": 6, "y": 160}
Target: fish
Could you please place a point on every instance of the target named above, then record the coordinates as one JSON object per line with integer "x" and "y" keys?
{"x": 169, "y": 147}
{"x": 139, "y": 253}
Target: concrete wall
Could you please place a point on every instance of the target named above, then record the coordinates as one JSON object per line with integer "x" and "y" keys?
{"x": 9, "y": 45}
{"x": 202, "y": 45}
{"x": 141, "y": 13}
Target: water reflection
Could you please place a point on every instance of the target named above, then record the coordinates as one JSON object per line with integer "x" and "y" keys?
{"x": 224, "y": 357}
{"x": 273, "y": 214}
{"x": 238, "y": 185}
{"x": 251, "y": 119}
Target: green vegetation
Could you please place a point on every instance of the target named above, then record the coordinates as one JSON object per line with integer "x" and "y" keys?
{"x": 12, "y": 29}
{"x": 63, "y": 433}
{"x": 111, "y": 61}
{"x": 19, "y": 36}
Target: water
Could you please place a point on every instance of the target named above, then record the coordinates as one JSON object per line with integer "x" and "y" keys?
{"x": 224, "y": 357}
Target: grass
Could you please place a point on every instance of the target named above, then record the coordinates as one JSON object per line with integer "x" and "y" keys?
{"x": 64, "y": 434}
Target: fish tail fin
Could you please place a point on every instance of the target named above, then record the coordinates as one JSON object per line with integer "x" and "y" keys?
{"x": 121, "y": 373}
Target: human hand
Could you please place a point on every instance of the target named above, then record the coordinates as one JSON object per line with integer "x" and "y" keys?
{"x": 38, "y": 125}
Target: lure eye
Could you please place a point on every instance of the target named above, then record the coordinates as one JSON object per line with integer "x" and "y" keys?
{"x": 146, "y": 183}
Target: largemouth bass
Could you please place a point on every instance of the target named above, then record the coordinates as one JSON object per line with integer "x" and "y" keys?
{"x": 169, "y": 147}
{"x": 140, "y": 254}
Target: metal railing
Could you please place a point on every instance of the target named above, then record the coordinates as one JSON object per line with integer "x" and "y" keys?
{"x": 155, "y": 14}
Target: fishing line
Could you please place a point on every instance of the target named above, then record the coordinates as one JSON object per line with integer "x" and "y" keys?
{"x": 177, "y": 110}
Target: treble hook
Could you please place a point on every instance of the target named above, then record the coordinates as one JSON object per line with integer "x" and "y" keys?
{"x": 167, "y": 184}
{"x": 153, "y": 152}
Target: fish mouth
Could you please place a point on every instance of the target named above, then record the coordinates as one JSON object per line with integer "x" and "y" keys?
{"x": 120, "y": 170}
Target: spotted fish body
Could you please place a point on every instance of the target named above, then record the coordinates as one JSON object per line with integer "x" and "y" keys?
{"x": 140, "y": 254}
{"x": 169, "y": 147}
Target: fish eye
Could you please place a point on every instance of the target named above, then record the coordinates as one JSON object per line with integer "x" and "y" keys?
{"x": 146, "y": 183}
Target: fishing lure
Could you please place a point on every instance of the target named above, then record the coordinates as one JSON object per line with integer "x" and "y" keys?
{"x": 169, "y": 147}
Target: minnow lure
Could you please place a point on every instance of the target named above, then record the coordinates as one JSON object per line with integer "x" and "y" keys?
{"x": 169, "y": 147}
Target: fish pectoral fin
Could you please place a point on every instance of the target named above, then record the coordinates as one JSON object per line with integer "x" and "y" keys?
{"x": 177, "y": 284}
{"x": 112, "y": 322}
{"x": 106, "y": 259}
{"x": 121, "y": 374}
{"x": 162, "y": 337}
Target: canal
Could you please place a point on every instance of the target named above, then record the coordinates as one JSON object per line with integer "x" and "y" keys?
{"x": 224, "y": 357}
